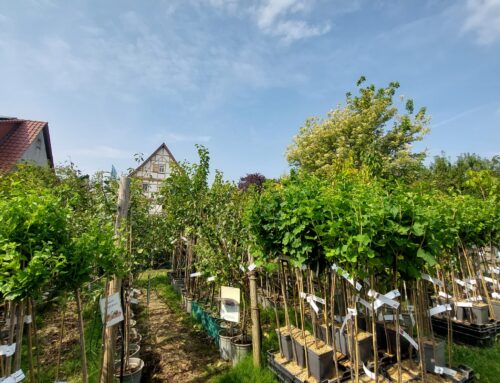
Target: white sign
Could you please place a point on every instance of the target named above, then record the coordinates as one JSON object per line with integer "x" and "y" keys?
{"x": 405, "y": 335}
{"x": 230, "y": 304}
{"x": 439, "y": 309}
{"x": 435, "y": 281}
{"x": 8, "y": 350}
{"x": 444, "y": 370}
{"x": 114, "y": 310}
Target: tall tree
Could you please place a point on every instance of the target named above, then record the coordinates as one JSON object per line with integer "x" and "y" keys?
{"x": 368, "y": 132}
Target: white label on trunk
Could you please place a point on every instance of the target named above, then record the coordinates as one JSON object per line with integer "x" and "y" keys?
{"x": 495, "y": 295}
{"x": 495, "y": 270}
{"x": 463, "y": 304}
{"x": 491, "y": 280}
{"x": 318, "y": 299}
{"x": 134, "y": 301}
{"x": 8, "y": 349}
{"x": 335, "y": 267}
{"x": 252, "y": 267}
{"x": 194, "y": 275}
{"x": 9, "y": 379}
{"x": 18, "y": 376}
{"x": 439, "y": 309}
{"x": 444, "y": 370}
{"x": 365, "y": 303}
{"x": 368, "y": 373}
{"x": 466, "y": 285}
{"x": 442, "y": 294}
{"x": 114, "y": 312}
{"x": 385, "y": 299}
{"x": 435, "y": 281}
{"x": 136, "y": 292}
{"x": 475, "y": 299}
{"x": 391, "y": 317}
{"x": 210, "y": 279}
{"x": 313, "y": 304}
{"x": 405, "y": 335}
{"x": 472, "y": 281}
{"x": 28, "y": 319}
{"x": 352, "y": 312}
{"x": 303, "y": 295}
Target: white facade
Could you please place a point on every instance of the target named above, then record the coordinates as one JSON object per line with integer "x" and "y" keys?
{"x": 154, "y": 170}
{"x": 37, "y": 151}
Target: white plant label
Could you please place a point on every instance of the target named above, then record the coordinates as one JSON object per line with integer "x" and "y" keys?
{"x": 405, "y": 335}
{"x": 17, "y": 376}
{"x": 242, "y": 268}
{"x": 303, "y": 267}
{"x": 134, "y": 301}
{"x": 391, "y": 317}
{"x": 114, "y": 312}
{"x": 303, "y": 295}
{"x": 136, "y": 292}
{"x": 444, "y": 370}
{"x": 466, "y": 285}
{"x": 490, "y": 280}
{"x": 435, "y": 281}
{"x": 347, "y": 277}
{"x": 352, "y": 312}
{"x": 472, "y": 281}
{"x": 439, "y": 309}
{"x": 475, "y": 299}
{"x": 8, "y": 379}
{"x": 252, "y": 267}
{"x": 210, "y": 279}
{"x": 194, "y": 275}
{"x": 335, "y": 267}
{"x": 230, "y": 303}
{"x": 368, "y": 373}
{"x": 8, "y": 349}
{"x": 387, "y": 299}
{"x": 365, "y": 303}
{"x": 463, "y": 304}
{"x": 495, "y": 270}
{"x": 313, "y": 304}
{"x": 28, "y": 319}
{"x": 495, "y": 295}
{"x": 318, "y": 299}
{"x": 442, "y": 294}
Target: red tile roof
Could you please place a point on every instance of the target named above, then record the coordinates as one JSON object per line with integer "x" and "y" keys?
{"x": 16, "y": 136}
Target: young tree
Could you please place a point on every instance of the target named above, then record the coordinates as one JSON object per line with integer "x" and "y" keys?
{"x": 368, "y": 132}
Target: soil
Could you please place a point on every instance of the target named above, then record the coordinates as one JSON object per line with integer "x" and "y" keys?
{"x": 173, "y": 351}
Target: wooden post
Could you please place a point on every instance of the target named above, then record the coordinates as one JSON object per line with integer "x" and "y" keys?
{"x": 115, "y": 284}
{"x": 255, "y": 315}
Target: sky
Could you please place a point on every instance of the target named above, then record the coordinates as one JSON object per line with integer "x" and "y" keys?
{"x": 118, "y": 77}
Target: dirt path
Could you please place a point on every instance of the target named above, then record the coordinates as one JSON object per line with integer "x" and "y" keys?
{"x": 173, "y": 350}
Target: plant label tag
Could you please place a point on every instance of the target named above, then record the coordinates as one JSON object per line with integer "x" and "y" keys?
{"x": 352, "y": 312}
{"x": 318, "y": 299}
{"x": 8, "y": 349}
{"x": 252, "y": 267}
{"x": 471, "y": 281}
{"x": 435, "y": 281}
{"x": 194, "y": 275}
{"x": 28, "y": 319}
{"x": 303, "y": 295}
{"x": 134, "y": 301}
{"x": 335, "y": 267}
{"x": 114, "y": 311}
{"x": 391, "y": 317}
{"x": 495, "y": 270}
{"x": 355, "y": 284}
{"x": 495, "y": 295}
{"x": 387, "y": 299}
{"x": 18, "y": 376}
{"x": 442, "y": 294}
{"x": 230, "y": 303}
{"x": 444, "y": 371}
{"x": 8, "y": 379}
{"x": 303, "y": 267}
{"x": 365, "y": 303}
{"x": 491, "y": 280}
{"x": 464, "y": 304}
{"x": 439, "y": 309}
{"x": 313, "y": 304}
{"x": 368, "y": 373}
{"x": 210, "y": 279}
{"x": 475, "y": 299}
{"x": 405, "y": 335}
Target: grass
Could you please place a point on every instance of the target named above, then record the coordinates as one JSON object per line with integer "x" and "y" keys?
{"x": 245, "y": 372}
{"x": 485, "y": 361}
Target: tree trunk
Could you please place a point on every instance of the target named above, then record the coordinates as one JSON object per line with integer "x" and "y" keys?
{"x": 81, "y": 331}
{"x": 255, "y": 317}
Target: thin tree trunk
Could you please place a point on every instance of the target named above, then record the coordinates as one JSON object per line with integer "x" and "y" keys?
{"x": 19, "y": 336}
{"x": 81, "y": 331}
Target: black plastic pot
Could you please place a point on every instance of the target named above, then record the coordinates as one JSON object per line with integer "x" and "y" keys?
{"x": 434, "y": 353}
{"x": 320, "y": 361}
{"x": 286, "y": 343}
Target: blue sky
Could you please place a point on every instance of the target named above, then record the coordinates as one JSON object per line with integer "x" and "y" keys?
{"x": 119, "y": 77}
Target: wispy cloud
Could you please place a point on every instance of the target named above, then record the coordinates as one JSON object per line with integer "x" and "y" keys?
{"x": 274, "y": 18}
{"x": 483, "y": 20}
{"x": 458, "y": 116}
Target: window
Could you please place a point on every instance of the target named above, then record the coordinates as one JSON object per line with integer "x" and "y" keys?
{"x": 145, "y": 187}
{"x": 161, "y": 169}
{"x": 39, "y": 143}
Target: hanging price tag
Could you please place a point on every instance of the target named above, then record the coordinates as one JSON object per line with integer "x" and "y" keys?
{"x": 444, "y": 371}
{"x": 434, "y": 281}
{"x": 8, "y": 349}
{"x": 368, "y": 373}
{"x": 405, "y": 335}
{"x": 439, "y": 309}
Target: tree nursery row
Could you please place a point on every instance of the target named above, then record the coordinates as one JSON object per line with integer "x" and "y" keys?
{"x": 372, "y": 264}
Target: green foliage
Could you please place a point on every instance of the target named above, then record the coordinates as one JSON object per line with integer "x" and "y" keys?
{"x": 245, "y": 372}
{"x": 368, "y": 132}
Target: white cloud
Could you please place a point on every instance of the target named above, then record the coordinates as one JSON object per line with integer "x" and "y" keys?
{"x": 273, "y": 18}
{"x": 483, "y": 19}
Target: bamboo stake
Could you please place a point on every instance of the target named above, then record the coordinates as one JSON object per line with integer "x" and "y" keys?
{"x": 30, "y": 345}
{"x": 19, "y": 336}
{"x": 81, "y": 331}
{"x": 333, "y": 277}
{"x": 61, "y": 337}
